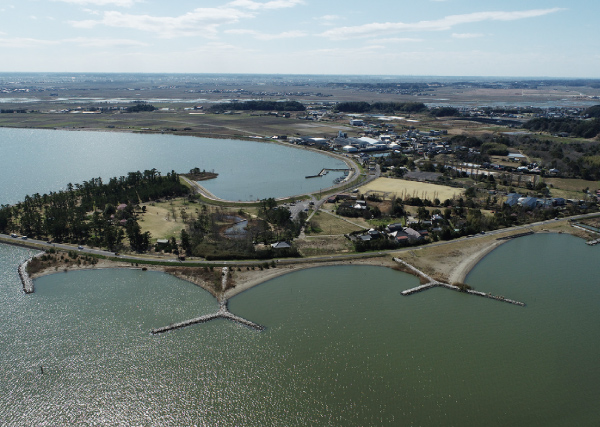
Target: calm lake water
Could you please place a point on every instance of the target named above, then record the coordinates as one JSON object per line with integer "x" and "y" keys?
{"x": 342, "y": 347}
{"x": 40, "y": 161}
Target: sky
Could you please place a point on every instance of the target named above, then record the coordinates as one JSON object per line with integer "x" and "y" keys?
{"x": 518, "y": 38}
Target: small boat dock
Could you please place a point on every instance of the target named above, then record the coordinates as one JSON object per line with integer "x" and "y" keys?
{"x": 325, "y": 171}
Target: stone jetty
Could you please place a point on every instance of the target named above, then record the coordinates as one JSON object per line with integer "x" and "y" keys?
{"x": 25, "y": 279}
{"x": 223, "y": 313}
{"x": 435, "y": 284}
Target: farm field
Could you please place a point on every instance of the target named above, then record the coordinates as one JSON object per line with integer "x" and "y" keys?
{"x": 390, "y": 187}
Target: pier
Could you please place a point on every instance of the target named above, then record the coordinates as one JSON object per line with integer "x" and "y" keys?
{"x": 325, "y": 171}
{"x": 223, "y": 313}
{"x": 435, "y": 284}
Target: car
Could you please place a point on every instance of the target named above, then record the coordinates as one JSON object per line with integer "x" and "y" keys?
{"x": 80, "y": 247}
{"x": 13, "y": 235}
{"x": 24, "y": 237}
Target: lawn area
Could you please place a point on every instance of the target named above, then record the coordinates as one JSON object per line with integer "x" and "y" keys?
{"x": 577, "y": 185}
{"x": 402, "y": 188}
{"x": 330, "y": 224}
{"x": 160, "y": 221}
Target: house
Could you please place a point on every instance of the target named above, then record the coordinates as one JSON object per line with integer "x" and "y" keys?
{"x": 357, "y": 122}
{"x": 374, "y": 233}
{"x": 161, "y": 243}
{"x": 281, "y": 245}
{"x": 512, "y": 199}
{"x": 413, "y": 235}
{"x": 394, "y": 227}
{"x": 400, "y": 237}
{"x": 528, "y": 202}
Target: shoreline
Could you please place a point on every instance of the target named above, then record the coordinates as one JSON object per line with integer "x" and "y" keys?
{"x": 460, "y": 273}
{"x": 448, "y": 263}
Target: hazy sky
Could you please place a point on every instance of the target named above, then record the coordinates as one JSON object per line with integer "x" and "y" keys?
{"x": 555, "y": 38}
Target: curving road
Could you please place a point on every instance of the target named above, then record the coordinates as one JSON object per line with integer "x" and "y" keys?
{"x": 39, "y": 244}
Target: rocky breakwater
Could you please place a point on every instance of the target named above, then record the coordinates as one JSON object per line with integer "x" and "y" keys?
{"x": 24, "y": 276}
{"x": 434, "y": 284}
{"x": 222, "y": 313}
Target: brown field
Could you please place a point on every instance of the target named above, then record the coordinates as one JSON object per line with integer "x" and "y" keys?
{"x": 330, "y": 224}
{"x": 179, "y": 122}
{"x": 324, "y": 245}
{"x": 403, "y": 188}
{"x": 575, "y": 185}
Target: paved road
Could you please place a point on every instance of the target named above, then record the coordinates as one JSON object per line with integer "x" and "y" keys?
{"x": 339, "y": 257}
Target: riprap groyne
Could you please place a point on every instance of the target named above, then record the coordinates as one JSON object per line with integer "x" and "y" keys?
{"x": 25, "y": 279}
{"x": 435, "y": 284}
{"x": 223, "y": 313}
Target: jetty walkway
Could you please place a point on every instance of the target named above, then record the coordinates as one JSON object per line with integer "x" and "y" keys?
{"x": 223, "y": 313}
{"x": 435, "y": 284}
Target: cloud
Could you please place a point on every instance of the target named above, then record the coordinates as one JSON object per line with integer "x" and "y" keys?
{"x": 446, "y": 23}
{"x": 273, "y": 4}
{"x": 119, "y": 3}
{"x": 263, "y": 36}
{"x": 201, "y": 21}
{"x": 23, "y": 42}
{"x": 399, "y": 40}
{"x": 99, "y": 42}
{"x": 329, "y": 19}
{"x": 467, "y": 35}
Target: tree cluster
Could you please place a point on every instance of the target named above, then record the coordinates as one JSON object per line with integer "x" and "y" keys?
{"x": 87, "y": 213}
{"x": 139, "y": 107}
{"x": 444, "y": 112}
{"x": 259, "y": 106}
{"x": 380, "y": 107}
{"x": 574, "y": 127}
